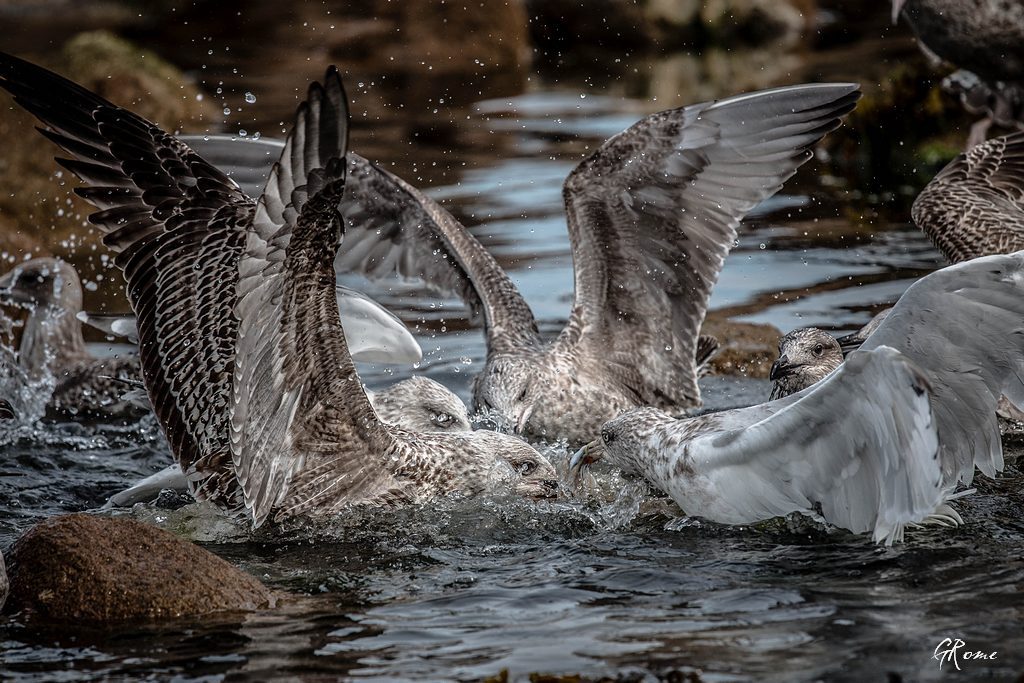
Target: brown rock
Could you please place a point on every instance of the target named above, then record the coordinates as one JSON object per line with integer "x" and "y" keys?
{"x": 747, "y": 348}
{"x": 102, "y": 570}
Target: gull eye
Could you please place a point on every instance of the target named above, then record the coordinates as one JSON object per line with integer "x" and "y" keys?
{"x": 443, "y": 418}
{"x": 818, "y": 349}
{"x": 607, "y": 436}
{"x": 526, "y": 468}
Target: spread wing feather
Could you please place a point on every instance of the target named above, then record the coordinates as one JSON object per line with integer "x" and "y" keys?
{"x": 964, "y": 327}
{"x": 177, "y": 225}
{"x": 975, "y": 205}
{"x": 860, "y": 447}
{"x": 302, "y": 429}
{"x": 654, "y": 212}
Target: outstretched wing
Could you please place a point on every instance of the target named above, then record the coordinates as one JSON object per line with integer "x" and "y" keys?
{"x": 391, "y": 228}
{"x": 303, "y": 433}
{"x": 653, "y": 214}
{"x": 860, "y": 447}
{"x": 374, "y": 333}
{"x": 975, "y": 205}
{"x": 177, "y": 225}
{"x": 964, "y": 327}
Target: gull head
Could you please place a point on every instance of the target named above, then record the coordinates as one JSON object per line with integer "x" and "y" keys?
{"x": 41, "y": 282}
{"x": 420, "y": 404}
{"x": 806, "y": 356}
{"x": 509, "y": 388}
{"x": 622, "y": 442}
{"x": 533, "y": 476}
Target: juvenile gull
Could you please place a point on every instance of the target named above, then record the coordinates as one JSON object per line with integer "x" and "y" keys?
{"x": 52, "y": 342}
{"x": 806, "y": 356}
{"x": 985, "y": 38}
{"x": 975, "y": 205}
{"x": 242, "y": 348}
{"x": 418, "y": 404}
{"x": 651, "y": 214}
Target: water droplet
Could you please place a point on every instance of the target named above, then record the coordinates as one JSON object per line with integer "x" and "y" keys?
{"x": 762, "y": 246}
{"x": 250, "y": 98}
{"x": 227, "y": 111}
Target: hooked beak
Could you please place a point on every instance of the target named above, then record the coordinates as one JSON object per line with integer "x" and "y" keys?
{"x": 897, "y": 5}
{"x": 586, "y": 456}
{"x": 780, "y": 368}
{"x": 524, "y": 418}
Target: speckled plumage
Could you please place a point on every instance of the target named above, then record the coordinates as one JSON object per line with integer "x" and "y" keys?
{"x": 652, "y": 215}
{"x": 806, "y": 356}
{"x": 243, "y": 353}
{"x": 52, "y": 342}
{"x": 975, "y": 205}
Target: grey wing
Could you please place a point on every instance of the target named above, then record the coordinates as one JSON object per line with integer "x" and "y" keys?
{"x": 391, "y": 228}
{"x": 964, "y": 327}
{"x": 303, "y": 434}
{"x": 174, "y": 222}
{"x": 374, "y": 333}
{"x": 247, "y": 161}
{"x": 114, "y": 325}
{"x": 975, "y": 205}
{"x": 654, "y": 212}
{"x": 860, "y": 446}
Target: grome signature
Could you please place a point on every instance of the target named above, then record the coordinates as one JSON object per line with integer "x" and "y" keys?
{"x": 951, "y": 651}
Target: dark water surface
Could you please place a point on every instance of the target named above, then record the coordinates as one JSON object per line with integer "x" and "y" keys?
{"x": 466, "y": 589}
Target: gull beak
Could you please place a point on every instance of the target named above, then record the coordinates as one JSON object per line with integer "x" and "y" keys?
{"x": 780, "y": 368}
{"x": 524, "y": 417}
{"x": 850, "y": 342}
{"x": 585, "y": 457}
{"x": 897, "y": 5}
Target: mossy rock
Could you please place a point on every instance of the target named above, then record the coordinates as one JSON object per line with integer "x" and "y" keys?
{"x": 102, "y": 571}
{"x": 42, "y": 216}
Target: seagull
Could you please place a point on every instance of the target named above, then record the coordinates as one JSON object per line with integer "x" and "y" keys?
{"x": 52, "y": 342}
{"x": 652, "y": 214}
{"x": 417, "y": 404}
{"x": 986, "y": 40}
{"x": 859, "y": 450}
{"x": 880, "y": 443}
{"x": 806, "y": 356}
{"x": 974, "y": 206}
{"x": 243, "y": 353}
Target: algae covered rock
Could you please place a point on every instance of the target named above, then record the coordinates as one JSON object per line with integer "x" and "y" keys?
{"x": 99, "y": 570}
{"x": 42, "y": 216}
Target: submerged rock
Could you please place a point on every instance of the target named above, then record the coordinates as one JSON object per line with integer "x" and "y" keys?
{"x": 102, "y": 570}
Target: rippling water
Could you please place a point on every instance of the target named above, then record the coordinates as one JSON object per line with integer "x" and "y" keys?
{"x": 467, "y": 589}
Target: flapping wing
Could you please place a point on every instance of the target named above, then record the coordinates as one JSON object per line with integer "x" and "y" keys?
{"x": 247, "y": 161}
{"x": 653, "y": 214}
{"x": 177, "y": 225}
{"x": 860, "y": 447}
{"x": 303, "y": 433}
{"x": 964, "y": 327}
{"x": 391, "y": 228}
{"x": 374, "y": 333}
{"x": 975, "y": 205}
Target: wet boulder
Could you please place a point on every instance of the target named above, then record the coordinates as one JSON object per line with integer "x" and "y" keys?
{"x": 99, "y": 570}
{"x": 747, "y": 349}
